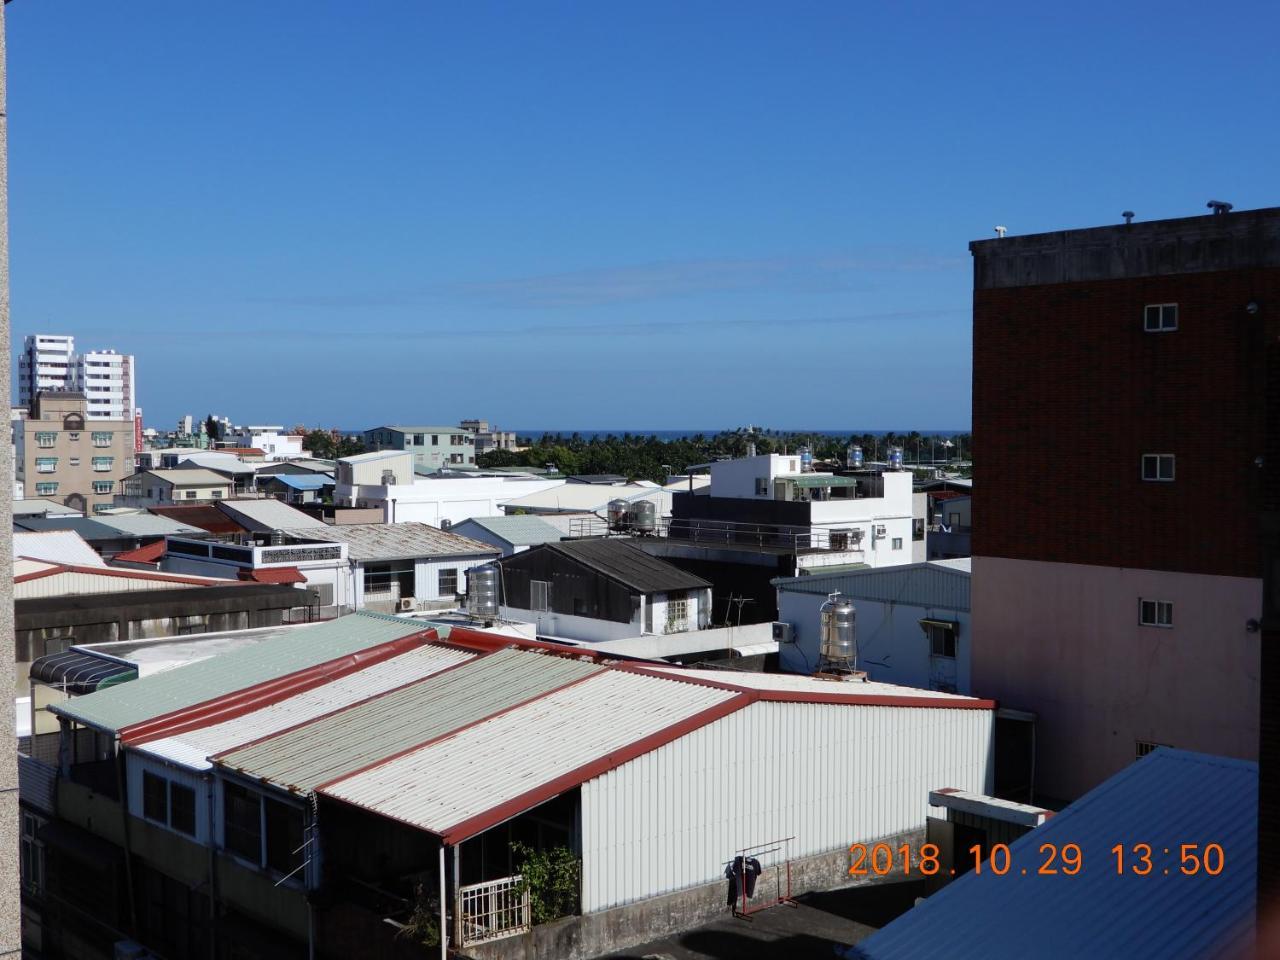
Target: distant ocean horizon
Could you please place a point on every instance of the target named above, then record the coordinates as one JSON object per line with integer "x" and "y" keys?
{"x": 685, "y": 434}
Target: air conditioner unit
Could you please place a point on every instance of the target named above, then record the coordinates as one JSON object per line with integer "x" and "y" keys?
{"x": 856, "y": 535}
{"x": 879, "y": 530}
{"x": 446, "y": 524}
{"x": 406, "y": 604}
{"x": 783, "y": 633}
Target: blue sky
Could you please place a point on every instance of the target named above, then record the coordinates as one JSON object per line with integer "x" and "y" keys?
{"x": 589, "y": 215}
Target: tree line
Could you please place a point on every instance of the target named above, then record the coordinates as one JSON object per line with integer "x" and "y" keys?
{"x": 639, "y": 457}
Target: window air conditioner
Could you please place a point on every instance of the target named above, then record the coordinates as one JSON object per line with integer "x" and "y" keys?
{"x": 879, "y": 530}
{"x": 783, "y": 633}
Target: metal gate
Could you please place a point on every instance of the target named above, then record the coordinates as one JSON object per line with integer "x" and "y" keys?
{"x": 492, "y": 910}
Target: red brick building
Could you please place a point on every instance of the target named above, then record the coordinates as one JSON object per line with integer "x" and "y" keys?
{"x": 1118, "y": 403}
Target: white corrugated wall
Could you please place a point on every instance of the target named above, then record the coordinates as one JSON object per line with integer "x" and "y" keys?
{"x": 828, "y": 775}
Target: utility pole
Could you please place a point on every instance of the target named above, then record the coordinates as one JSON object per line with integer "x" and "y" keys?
{"x": 10, "y": 895}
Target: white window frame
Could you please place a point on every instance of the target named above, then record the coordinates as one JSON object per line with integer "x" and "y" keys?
{"x": 896, "y": 543}
{"x": 46, "y": 464}
{"x": 103, "y": 464}
{"x": 1159, "y": 461}
{"x": 1156, "y": 318}
{"x": 1155, "y": 613}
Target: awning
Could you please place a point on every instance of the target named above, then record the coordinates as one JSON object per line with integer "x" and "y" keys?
{"x": 756, "y": 649}
{"x": 274, "y": 575}
{"x": 952, "y": 625}
{"x": 80, "y": 673}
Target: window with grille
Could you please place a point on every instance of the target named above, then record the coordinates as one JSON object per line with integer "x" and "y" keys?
{"x": 897, "y": 543}
{"x": 1155, "y": 613}
{"x": 448, "y": 582}
{"x": 46, "y": 440}
{"x": 1160, "y": 317}
{"x": 182, "y": 809}
{"x": 46, "y": 489}
{"x": 839, "y": 540}
{"x": 242, "y": 822}
{"x": 32, "y": 852}
{"x": 46, "y": 464}
{"x": 538, "y": 592}
{"x": 101, "y": 439}
{"x": 103, "y": 464}
{"x": 103, "y": 486}
{"x": 155, "y": 798}
{"x": 1157, "y": 466}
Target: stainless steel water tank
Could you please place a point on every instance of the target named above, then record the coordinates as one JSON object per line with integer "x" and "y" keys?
{"x": 618, "y": 514}
{"x": 644, "y": 516}
{"x": 837, "y": 620}
{"x": 482, "y": 591}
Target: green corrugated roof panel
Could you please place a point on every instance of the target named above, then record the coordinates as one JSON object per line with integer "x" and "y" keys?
{"x": 517, "y": 530}
{"x": 193, "y": 683}
{"x": 339, "y": 744}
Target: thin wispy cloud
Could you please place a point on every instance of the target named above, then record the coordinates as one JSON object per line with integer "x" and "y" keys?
{"x": 665, "y": 280}
{"x": 571, "y": 330}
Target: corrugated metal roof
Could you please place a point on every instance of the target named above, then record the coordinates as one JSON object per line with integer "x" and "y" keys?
{"x": 337, "y": 745}
{"x": 146, "y": 525}
{"x": 1169, "y": 798}
{"x": 204, "y": 516}
{"x": 65, "y": 581}
{"x": 629, "y": 565}
{"x": 794, "y": 683}
{"x": 393, "y": 541}
{"x": 86, "y": 528}
{"x": 194, "y": 477}
{"x": 519, "y": 531}
{"x": 56, "y": 546}
{"x": 195, "y": 683}
{"x": 194, "y": 747}
{"x": 495, "y": 763}
{"x": 930, "y": 584}
{"x": 269, "y": 514}
{"x": 39, "y": 507}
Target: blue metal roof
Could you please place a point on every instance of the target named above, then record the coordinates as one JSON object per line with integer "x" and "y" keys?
{"x": 300, "y": 481}
{"x": 1168, "y": 798}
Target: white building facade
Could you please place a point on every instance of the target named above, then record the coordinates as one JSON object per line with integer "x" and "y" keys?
{"x": 106, "y": 378}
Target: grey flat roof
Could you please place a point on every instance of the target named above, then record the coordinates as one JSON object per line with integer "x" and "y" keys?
{"x": 518, "y": 530}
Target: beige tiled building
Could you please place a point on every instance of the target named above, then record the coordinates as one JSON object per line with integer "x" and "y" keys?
{"x": 63, "y": 456}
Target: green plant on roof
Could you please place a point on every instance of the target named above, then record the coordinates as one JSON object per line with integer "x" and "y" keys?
{"x": 423, "y": 925}
{"x": 552, "y": 878}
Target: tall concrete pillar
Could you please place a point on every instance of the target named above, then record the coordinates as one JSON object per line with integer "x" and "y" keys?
{"x": 10, "y": 899}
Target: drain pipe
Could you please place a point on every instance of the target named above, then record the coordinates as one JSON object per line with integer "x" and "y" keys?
{"x": 444, "y": 923}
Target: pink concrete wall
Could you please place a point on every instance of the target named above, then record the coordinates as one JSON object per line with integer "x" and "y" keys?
{"x": 1063, "y": 640}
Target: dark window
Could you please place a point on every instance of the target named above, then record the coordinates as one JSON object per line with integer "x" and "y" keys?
{"x": 182, "y": 809}
{"x": 1145, "y": 747}
{"x": 284, "y": 836}
{"x": 1155, "y": 613}
{"x": 155, "y": 798}
{"x": 435, "y": 439}
{"x": 917, "y": 529}
{"x": 1160, "y": 317}
{"x": 448, "y": 582}
{"x": 1157, "y": 466}
{"x": 942, "y": 640}
{"x": 242, "y": 820}
{"x": 538, "y": 594}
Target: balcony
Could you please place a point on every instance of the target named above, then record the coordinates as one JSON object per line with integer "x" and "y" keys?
{"x": 702, "y": 532}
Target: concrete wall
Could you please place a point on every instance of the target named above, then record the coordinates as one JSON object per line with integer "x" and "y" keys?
{"x": 737, "y": 478}
{"x": 1063, "y": 640}
{"x": 434, "y": 501}
{"x": 607, "y": 931}
{"x": 892, "y": 647}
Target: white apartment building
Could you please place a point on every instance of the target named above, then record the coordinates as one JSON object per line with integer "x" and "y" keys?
{"x": 385, "y": 479}
{"x": 857, "y": 517}
{"x": 107, "y": 382}
{"x": 270, "y": 439}
{"x": 106, "y": 378}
